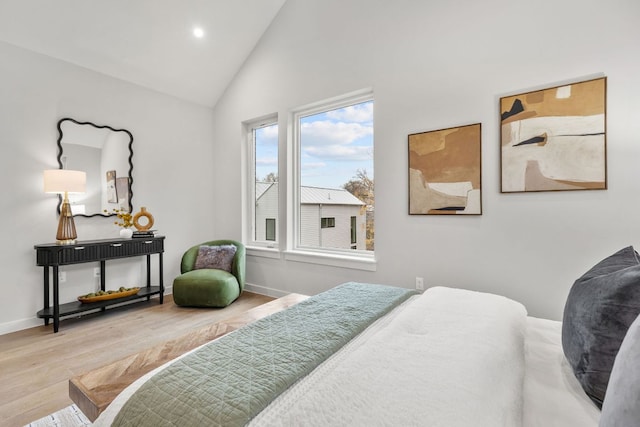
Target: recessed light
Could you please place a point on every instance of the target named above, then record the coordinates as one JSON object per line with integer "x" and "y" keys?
{"x": 198, "y": 32}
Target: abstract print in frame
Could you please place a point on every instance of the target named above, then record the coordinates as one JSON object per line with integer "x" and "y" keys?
{"x": 554, "y": 139}
{"x": 445, "y": 171}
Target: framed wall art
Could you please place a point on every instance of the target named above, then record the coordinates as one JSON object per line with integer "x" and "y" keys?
{"x": 122, "y": 192}
{"x": 445, "y": 171}
{"x": 554, "y": 139}
{"x": 112, "y": 194}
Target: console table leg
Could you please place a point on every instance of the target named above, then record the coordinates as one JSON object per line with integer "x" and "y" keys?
{"x": 148, "y": 274}
{"x": 46, "y": 292}
{"x": 56, "y": 300}
{"x": 103, "y": 280}
{"x": 161, "y": 278}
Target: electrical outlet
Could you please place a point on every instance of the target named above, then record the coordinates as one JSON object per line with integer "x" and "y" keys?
{"x": 96, "y": 272}
{"x": 420, "y": 283}
{"x": 62, "y": 276}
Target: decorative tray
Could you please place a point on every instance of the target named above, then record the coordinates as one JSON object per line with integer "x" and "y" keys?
{"x": 102, "y": 295}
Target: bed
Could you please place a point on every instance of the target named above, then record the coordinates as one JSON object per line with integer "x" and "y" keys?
{"x": 363, "y": 354}
{"x": 447, "y": 357}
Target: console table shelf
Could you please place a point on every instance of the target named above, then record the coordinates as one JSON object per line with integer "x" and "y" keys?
{"x": 53, "y": 255}
{"x": 77, "y": 307}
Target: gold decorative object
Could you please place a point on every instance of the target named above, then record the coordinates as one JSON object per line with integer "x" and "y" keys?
{"x": 143, "y": 213}
{"x": 63, "y": 181}
{"x": 125, "y": 219}
{"x": 102, "y": 295}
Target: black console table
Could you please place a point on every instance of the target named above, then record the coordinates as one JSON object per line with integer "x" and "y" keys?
{"x": 54, "y": 255}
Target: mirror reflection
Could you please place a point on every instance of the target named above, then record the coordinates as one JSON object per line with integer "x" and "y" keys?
{"x": 105, "y": 154}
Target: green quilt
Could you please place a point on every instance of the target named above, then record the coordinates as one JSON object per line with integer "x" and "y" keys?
{"x": 230, "y": 380}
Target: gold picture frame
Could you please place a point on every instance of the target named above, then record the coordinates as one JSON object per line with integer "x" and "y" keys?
{"x": 445, "y": 171}
{"x": 554, "y": 139}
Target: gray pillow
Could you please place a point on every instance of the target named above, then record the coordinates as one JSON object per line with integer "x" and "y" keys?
{"x": 600, "y": 307}
{"x": 218, "y": 257}
{"x": 621, "y": 407}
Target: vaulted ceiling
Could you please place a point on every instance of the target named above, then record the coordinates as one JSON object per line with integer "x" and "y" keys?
{"x": 146, "y": 42}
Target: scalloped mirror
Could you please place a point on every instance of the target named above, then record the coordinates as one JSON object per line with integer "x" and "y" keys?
{"x": 105, "y": 154}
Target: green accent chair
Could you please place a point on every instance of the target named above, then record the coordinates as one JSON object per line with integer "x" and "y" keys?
{"x": 209, "y": 287}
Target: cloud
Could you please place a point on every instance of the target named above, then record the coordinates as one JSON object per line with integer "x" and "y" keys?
{"x": 325, "y": 132}
{"x": 267, "y": 161}
{"x": 270, "y": 131}
{"x": 267, "y": 136}
{"x": 362, "y": 113}
{"x": 314, "y": 165}
{"x": 340, "y": 152}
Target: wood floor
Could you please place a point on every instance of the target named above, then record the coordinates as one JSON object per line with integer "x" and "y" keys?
{"x": 36, "y": 364}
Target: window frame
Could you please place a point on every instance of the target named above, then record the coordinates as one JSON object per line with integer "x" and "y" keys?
{"x": 328, "y": 222}
{"x": 350, "y": 258}
{"x": 251, "y": 237}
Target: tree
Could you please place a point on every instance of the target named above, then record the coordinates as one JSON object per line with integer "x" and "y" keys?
{"x": 362, "y": 187}
{"x": 271, "y": 177}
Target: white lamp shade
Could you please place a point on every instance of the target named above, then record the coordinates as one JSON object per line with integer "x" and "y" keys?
{"x": 64, "y": 180}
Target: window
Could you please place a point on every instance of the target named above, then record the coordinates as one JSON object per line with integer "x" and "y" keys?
{"x": 327, "y": 222}
{"x": 354, "y": 236}
{"x": 270, "y": 229}
{"x": 329, "y": 191}
{"x": 332, "y": 145}
{"x": 262, "y": 154}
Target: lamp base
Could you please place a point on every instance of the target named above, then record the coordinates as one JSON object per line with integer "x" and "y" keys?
{"x": 66, "y": 242}
{"x": 66, "y": 227}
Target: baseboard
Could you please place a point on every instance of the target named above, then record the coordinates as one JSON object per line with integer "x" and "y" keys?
{"x": 263, "y": 290}
{"x": 18, "y": 325}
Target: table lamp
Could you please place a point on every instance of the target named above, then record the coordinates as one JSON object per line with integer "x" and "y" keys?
{"x": 64, "y": 181}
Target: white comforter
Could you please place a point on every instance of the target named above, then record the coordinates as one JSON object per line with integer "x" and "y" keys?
{"x": 449, "y": 358}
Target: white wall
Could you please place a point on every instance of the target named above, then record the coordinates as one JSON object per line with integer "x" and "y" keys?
{"x": 172, "y": 174}
{"x": 436, "y": 64}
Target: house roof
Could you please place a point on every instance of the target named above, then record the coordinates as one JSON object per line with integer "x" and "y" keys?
{"x": 262, "y": 187}
{"x": 316, "y": 195}
{"x": 327, "y": 196}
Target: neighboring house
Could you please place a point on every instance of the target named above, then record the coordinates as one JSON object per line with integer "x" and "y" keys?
{"x": 329, "y": 217}
{"x": 266, "y": 211}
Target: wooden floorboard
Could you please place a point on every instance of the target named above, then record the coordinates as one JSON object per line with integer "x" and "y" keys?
{"x": 36, "y": 364}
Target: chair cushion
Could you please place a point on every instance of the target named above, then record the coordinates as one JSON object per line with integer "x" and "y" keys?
{"x": 600, "y": 307}
{"x": 205, "y": 288}
{"x": 219, "y": 257}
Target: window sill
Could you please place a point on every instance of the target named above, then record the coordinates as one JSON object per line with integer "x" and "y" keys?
{"x": 367, "y": 263}
{"x": 264, "y": 252}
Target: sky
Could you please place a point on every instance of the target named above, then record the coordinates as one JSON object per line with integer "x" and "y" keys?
{"x": 334, "y": 145}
